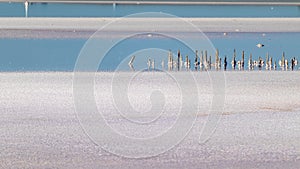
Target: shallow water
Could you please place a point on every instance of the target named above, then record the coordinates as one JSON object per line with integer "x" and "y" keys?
{"x": 85, "y": 10}
{"x": 21, "y": 54}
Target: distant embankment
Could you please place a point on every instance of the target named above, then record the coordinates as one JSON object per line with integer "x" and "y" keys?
{"x": 84, "y": 27}
{"x": 171, "y": 2}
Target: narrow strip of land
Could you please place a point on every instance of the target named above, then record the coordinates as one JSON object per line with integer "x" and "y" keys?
{"x": 169, "y": 2}
{"x": 167, "y": 24}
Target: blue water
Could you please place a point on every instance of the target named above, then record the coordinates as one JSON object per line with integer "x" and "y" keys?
{"x": 92, "y": 10}
{"x": 61, "y": 54}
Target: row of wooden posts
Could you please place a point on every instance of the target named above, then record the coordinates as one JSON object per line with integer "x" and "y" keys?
{"x": 204, "y": 62}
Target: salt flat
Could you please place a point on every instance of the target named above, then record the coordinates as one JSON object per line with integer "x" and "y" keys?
{"x": 259, "y": 127}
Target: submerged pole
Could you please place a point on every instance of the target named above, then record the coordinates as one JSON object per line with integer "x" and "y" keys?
{"x": 286, "y": 63}
{"x": 243, "y": 60}
{"x": 217, "y": 60}
{"x": 220, "y": 63}
{"x": 153, "y": 64}
{"x": 149, "y": 64}
{"x": 130, "y": 63}
{"x": 225, "y": 63}
{"x": 282, "y": 61}
{"x": 187, "y": 63}
{"x": 267, "y": 61}
{"x": 260, "y": 63}
{"x": 270, "y": 63}
{"x": 209, "y": 65}
{"x": 233, "y": 62}
{"x": 250, "y": 62}
{"x": 201, "y": 60}
{"x": 206, "y": 61}
{"x": 26, "y": 4}
{"x": 196, "y": 61}
{"x": 170, "y": 61}
{"x": 178, "y": 60}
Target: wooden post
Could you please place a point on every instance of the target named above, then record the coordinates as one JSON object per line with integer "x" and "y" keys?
{"x": 250, "y": 63}
{"x": 209, "y": 65}
{"x": 149, "y": 64}
{"x": 270, "y": 63}
{"x": 196, "y": 60}
{"x": 181, "y": 62}
{"x": 206, "y": 61}
{"x": 267, "y": 61}
{"x": 282, "y": 61}
{"x": 130, "y": 63}
{"x": 178, "y": 60}
{"x": 26, "y": 4}
{"x": 220, "y": 63}
{"x": 201, "y": 60}
{"x": 225, "y": 63}
{"x": 153, "y": 64}
{"x": 243, "y": 60}
{"x": 217, "y": 60}
{"x": 170, "y": 61}
{"x": 260, "y": 63}
{"x": 187, "y": 62}
{"x": 233, "y": 62}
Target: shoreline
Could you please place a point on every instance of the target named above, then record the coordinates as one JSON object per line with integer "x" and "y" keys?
{"x": 204, "y": 24}
{"x": 84, "y": 28}
{"x": 166, "y": 2}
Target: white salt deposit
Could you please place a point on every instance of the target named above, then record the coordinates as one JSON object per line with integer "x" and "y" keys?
{"x": 259, "y": 128}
